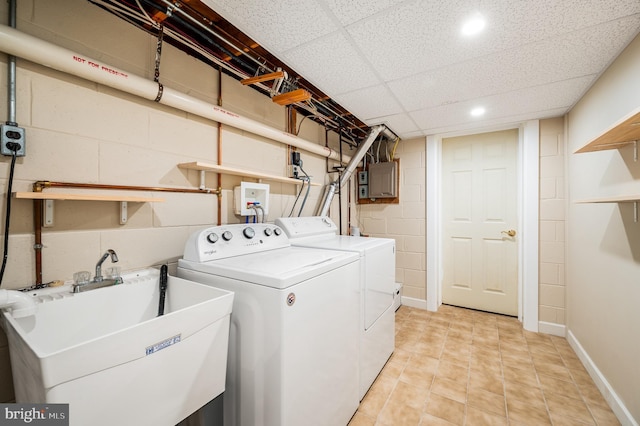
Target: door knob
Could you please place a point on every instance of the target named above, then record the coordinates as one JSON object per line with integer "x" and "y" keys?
{"x": 510, "y": 232}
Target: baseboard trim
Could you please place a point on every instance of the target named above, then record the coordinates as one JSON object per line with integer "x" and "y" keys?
{"x": 552, "y": 328}
{"x": 616, "y": 404}
{"x": 414, "y": 303}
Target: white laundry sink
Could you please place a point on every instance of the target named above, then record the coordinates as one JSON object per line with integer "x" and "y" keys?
{"x": 108, "y": 355}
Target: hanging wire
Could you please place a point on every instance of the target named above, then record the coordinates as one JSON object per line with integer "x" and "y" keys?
{"x": 8, "y": 212}
{"x": 297, "y": 197}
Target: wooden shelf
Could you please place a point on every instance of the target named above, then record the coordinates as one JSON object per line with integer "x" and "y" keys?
{"x": 616, "y": 199}
{"x": 624, "y": 132}
{"x": 84, "y": 197}
{"x": 197, "y": 165}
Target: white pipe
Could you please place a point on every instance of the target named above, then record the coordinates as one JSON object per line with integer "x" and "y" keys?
{"x": 20, "y": 304}
{"x": 14, "y": 42}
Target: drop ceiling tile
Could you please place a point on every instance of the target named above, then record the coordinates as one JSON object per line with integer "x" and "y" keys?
{"x": 370, "y": 103}
{"x": 332, "y": 64}
{"x": 556, "y": 96}
{"x": 401, "y": 124}
{"x": 420, "y": 36}
{"x": 349, "y": 11}
{"x": 580, "y": 53}
{"x": 277, "y": 25}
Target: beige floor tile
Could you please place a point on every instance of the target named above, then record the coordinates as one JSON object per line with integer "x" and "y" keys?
{"x": 393, "y": 369}
{"x": 551, "y": 385}
{"x": 429, "y": 420}
{"x": 360, "y": 419}
{"x": 397, "y": 413}
{"x": 568, "y": 407}
{"x": 409, "y": 395}
{"x": 445, "y": 408}
{"x": 452, "y": 371}
{"x": 527, "y": 414}
{"x": 592, "y": 395}
{"x": 377, "y": 396}
{"x": 530, "y": 394}
{"x": 478, "y": 417}
{"x": 486, "y": 381}
{"x": 417, "y": 377}
{"x": 486, "y": 401}
{"x": 604, "y": 416}
{"x": 462, "y": 367}
{"x": 551, "y": 369}
{"x": 450, "y": 389}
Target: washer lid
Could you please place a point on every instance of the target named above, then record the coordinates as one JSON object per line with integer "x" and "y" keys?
{"x": 279, "y": 268}
{"x": 343, "y": 242}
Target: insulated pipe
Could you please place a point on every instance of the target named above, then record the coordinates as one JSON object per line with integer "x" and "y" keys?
{"x": 14, "y": 42}
{"x": 351, "y": 167}
{"x": 20, "y": 304}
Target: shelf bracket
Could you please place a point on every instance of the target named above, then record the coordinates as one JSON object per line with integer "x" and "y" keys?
{"x": 124, "y": 214}
{"x": 635, "y": 212}
{"x": 635, "y": 151}
{"x": 202, "y": 179}
{"x": 47, "y": 214}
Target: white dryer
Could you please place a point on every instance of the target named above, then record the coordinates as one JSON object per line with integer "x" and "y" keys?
{"x": 293, "y": 337}
{"x": 377, "y": 286}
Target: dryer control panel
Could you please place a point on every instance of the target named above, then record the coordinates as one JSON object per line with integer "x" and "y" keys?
{"x": 224, "y": 241}
{"x": 312, "y": 226}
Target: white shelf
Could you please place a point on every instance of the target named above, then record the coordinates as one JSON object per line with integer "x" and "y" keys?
{"x": 205, "y": 167}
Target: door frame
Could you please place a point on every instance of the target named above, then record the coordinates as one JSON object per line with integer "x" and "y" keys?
{"x": 528, "y": 160}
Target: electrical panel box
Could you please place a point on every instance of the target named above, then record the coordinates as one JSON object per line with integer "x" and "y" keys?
{"x": 249, "y": 194}
{"x": 383, "y": 180}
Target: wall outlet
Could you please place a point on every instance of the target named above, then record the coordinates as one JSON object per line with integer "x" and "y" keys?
{"x": 363, "y": 191}
{"x": 14, "y": 134}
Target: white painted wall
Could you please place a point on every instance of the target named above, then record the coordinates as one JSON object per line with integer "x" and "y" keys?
{"x": 603, "y": 257}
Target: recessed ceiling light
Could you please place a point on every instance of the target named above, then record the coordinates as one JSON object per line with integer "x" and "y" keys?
{"x": 477, "y": 112}
{"x": 473, "y": 25}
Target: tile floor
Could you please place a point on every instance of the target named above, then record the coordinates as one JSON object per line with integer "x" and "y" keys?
{"x": 465, "y": 367}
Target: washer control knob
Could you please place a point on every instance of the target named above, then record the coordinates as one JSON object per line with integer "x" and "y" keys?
{"x": 249, "y": 232}
{"x": 227, "y": 235}
{"x": 277, "y": 231}
{"x": 268, "y": 232}
{"x": 212, "y": 238}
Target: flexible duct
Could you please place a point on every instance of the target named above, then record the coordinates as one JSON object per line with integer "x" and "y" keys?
{"x": 351, "y": 167}
{"x": 14, "y": 42}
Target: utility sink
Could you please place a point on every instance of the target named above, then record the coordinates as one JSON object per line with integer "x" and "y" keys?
{"x": 108, "y": 355}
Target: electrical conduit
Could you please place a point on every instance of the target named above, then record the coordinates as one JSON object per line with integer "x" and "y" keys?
{"x": 17, "y": 43}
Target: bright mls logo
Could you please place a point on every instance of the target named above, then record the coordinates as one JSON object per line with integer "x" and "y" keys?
{"x": 34, "y": 414}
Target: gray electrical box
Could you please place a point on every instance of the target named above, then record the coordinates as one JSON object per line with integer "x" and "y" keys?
{"x": 383, "y": 180}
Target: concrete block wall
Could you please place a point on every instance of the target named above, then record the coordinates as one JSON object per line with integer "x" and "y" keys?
{"x": 552, "y": 289}
{"x": 78, "y": 131}
{"x": 405, "y": 222}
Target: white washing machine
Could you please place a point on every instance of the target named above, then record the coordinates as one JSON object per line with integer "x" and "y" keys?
{"x": 293, "y": 341}
{"x": 377, "y": 286}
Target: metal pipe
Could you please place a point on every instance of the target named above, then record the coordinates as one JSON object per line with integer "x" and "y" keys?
{"x": 37, "y": 246}
{"x": 348, "y": 171}
{"x": 11, "y": 77}
{"x": 40, "y": 185}
{"x": 14, "y": 42}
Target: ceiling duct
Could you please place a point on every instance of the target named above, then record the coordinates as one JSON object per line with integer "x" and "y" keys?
{"x": 344, "y": 177}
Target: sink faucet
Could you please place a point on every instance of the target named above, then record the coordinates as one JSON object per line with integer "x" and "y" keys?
{"x": 114, "y": 258}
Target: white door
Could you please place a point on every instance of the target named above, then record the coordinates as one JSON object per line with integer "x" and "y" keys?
{"x": 479, "y": 217}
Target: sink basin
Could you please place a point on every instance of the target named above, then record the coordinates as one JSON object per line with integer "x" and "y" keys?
{"x": 108, "y": 355}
